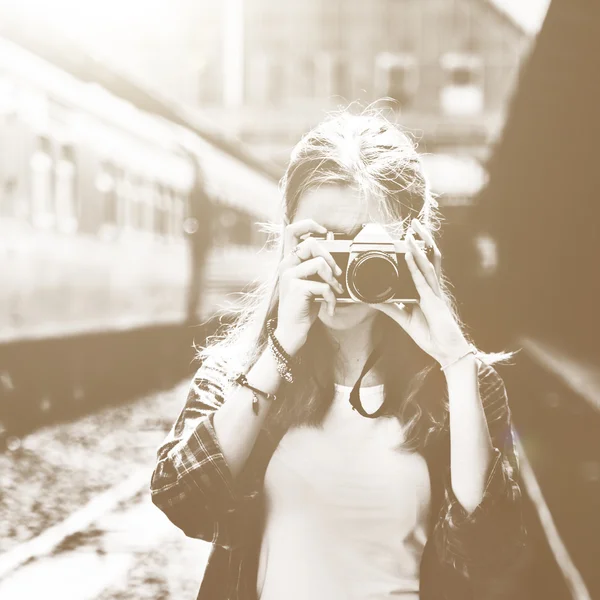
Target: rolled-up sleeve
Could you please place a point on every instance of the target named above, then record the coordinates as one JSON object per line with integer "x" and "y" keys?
{"x": 490, "y": 541}
{"x": 191, "y": 482}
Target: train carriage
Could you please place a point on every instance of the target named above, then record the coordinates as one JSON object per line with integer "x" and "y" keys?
{"x": 99, "y": 234}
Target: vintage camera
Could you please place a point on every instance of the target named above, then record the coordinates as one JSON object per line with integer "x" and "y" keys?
{"x": 374, "y": 269}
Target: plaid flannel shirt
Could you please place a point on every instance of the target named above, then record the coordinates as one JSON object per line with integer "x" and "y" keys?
{"x": 466, "y": 555}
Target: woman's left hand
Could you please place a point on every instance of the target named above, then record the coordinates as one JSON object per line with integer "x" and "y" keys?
{"x": 430, "y": 323}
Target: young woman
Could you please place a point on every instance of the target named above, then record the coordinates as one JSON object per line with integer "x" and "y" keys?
{"x": 314, "y": 476}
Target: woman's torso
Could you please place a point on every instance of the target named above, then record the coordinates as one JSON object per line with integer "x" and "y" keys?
{"x": 346, "y": 510}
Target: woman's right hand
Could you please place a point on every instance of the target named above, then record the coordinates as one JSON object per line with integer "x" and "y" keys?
{"x": 303, "y": 259}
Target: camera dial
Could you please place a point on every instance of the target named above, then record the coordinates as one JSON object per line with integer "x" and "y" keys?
{"x": 372, "y": 273}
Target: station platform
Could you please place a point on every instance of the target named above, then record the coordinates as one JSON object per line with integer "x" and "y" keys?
{"x": 131, "y": 553}
{"x": 118, "y": 546}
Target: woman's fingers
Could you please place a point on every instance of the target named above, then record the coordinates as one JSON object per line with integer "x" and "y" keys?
{"x": 426, "y": 269}
{"x": 429, "y": 241}
{"x": 294, "y": 231}
{"x": 426, "y": 236}
{"x": 310, "y": 248}
{"x": 421, "y": 283}
{"x": 315, "y": 266}
{"x": 306, "y": 250}
{"x": 316, "y": 289}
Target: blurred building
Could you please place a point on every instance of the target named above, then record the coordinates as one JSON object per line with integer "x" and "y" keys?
{"x": 447, "y": 65}
{"x": 267, "y": 71}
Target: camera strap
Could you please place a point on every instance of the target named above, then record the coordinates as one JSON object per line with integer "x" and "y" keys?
{"x": 355, "y": 393}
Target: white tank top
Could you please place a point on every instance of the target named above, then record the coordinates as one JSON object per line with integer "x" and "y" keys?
{"x": 346, "y": 511}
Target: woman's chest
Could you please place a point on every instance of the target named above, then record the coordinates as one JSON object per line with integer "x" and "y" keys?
{"x": 349, "y": 471}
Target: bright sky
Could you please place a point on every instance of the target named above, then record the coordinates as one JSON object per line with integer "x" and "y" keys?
{"x": 93, "y": 17}
{"x": 119, "y": 26}
{"x": 528, "y": 13}
{"x": 98, "y": 24}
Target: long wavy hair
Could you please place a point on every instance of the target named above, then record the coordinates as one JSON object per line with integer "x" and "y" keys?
{"x": 373, "y": 154}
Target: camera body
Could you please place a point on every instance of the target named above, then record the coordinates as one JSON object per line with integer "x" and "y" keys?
{"x": 374, "y": 269}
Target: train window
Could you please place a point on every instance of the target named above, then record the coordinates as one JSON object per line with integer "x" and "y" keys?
{"x": 157, "y": 205}
{"x": 161, "y": 214}
{"x": 137, "y": 205}
{"x": 397, "y": 77}
{"x": 169, "y": 212}
{"x": 178, "y": 214}
{"x": 462, "y": 93}
{"x": 42, "y": 209}
{"x": 124, "y": 199}
{"x": 65, "y": 190}
{"x": 148, "y": 203}
{"x": 135, "y": 211}
{"x": 109, "y": 206}
{"x": 171, "y": 216}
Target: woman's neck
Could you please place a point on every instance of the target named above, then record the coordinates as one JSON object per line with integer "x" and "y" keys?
{"x": 351, "y": 349}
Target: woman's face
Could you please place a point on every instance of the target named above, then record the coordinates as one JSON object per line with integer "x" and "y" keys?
{"x": 340, "y": 208}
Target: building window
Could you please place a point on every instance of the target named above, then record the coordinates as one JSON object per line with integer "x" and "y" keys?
{"x": 275, "y": 83}
{"x": 42, "y": 200}
{"x": 397, "y": 77}
{"x": 340, "y": 77}
{"x": 65, "y": 190}
{"x": 307, "y": 77}
{"x": 462, "y": 93}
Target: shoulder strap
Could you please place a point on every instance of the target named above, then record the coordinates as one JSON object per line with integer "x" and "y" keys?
{"x": 355, "y": 393}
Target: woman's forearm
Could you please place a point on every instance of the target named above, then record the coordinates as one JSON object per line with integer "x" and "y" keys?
{"x": 236, "y": 425}
{"x": 471, "y": 449}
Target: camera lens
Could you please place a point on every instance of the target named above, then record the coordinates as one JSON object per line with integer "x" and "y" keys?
{"x": 372, "y": 277}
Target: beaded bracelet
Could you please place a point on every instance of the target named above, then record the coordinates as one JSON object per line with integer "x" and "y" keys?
{"x": 472, "y": 350}
{"x": 242, "y": 380}
{"x": 283, "y": 360}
